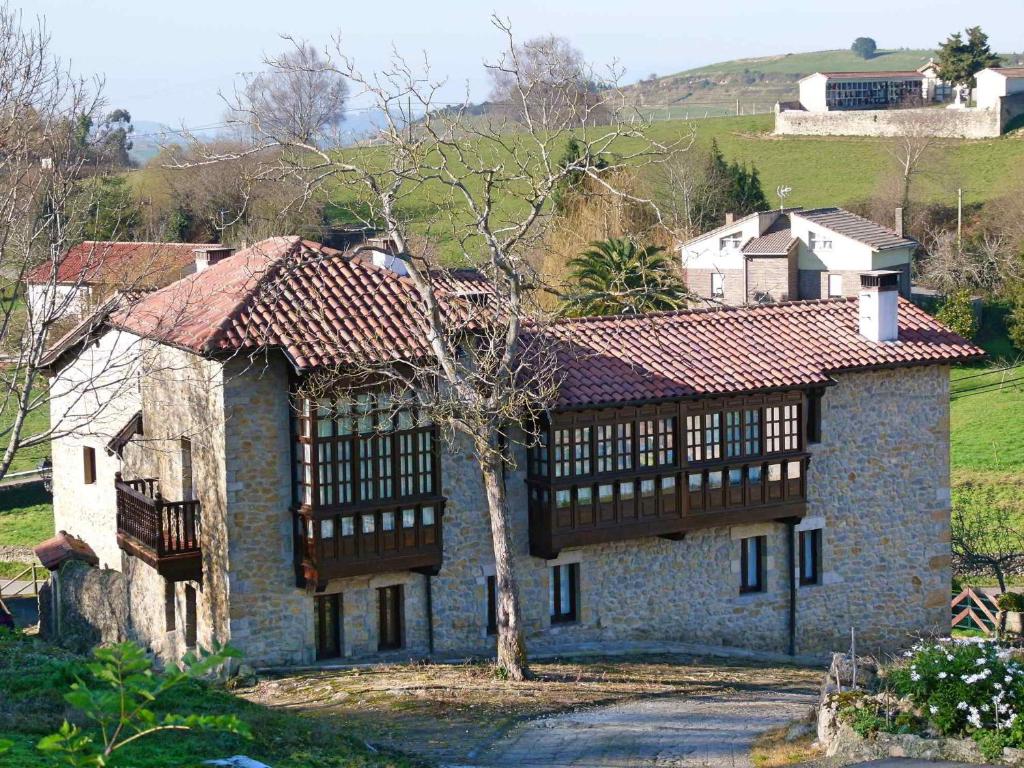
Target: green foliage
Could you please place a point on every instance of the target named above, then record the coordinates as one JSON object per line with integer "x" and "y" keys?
{"x": 741, "y": 191}
{"x": 864, "y": 720}
{"x": 992, "y": 743}
{"x": 1015, "y": 316}
{"x": 1010, "y": 601}
{"x": 113, "y": 211}
{"x": 962, "y": 685}
{"x": 615, "y": 277}
{"x": 958, "y": 315}
{"x": 118, "y": 696}
{"x": 958, "y": 61}
{"x": 865, "y": 47}
{"x": 571, "y": 185}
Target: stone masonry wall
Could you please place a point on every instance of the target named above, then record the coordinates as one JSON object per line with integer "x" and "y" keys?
{"x": 699, "y": 282}
{"x": 878, "y": 486}
{"x": 937, "y": 121}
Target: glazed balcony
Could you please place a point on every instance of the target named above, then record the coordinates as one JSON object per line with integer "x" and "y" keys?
{"x": 164, "y": 534}
{"x": 368, "y": 540}
{"x": 666, "y": 503}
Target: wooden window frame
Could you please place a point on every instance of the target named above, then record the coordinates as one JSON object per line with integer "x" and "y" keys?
{"x": 813, "y": 536}
{"x": 560, "y": 614}
{"x": 390, "y": 615}
{"x": 332, "y": 632}
{"x": 746, "y": 586}
{"x": 89, "y": 464}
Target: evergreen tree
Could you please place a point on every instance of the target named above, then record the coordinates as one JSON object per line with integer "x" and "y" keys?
{"x": 570, "y": 186}
{"x": 959, "y": 61}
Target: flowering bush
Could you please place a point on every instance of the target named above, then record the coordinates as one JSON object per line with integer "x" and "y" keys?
{"x": 963, "y": 686}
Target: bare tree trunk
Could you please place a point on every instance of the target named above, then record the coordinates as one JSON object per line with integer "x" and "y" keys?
{"x": 511, "y": 642}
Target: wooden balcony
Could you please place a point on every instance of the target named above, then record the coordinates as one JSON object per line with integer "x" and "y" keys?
{"x": 666, "y": 503}
{"x": 367, "y": 540}
{"x": 164, "y": 534}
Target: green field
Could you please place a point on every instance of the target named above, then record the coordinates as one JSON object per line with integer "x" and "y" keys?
{"x": 816, "y": 61}
{"x": 35, "y": 422}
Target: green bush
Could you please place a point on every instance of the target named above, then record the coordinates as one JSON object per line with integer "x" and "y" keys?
{"x": 865, "y": 721}
{"x": 991, "y": 743}
{"x": 1010, "y": 601}
{"x": 957, "y": 314}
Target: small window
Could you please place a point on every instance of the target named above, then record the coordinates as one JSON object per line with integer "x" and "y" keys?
{"x": 348, "y": 527}
{"x": 715, "y": 479}
{"x": 387, "y": 521}
{"x": 814, "y": 416}
{"x": 835, "y": 286}
{"x": 188, "y": 491}
{"x": 731, "y": 241}
{"x": 562, "y": 596}
{"x": 810, "y": 557}
{"x": 89, "y": 465}
{"x": 752, "y": 564}
{"x": 717, "y": 285}
{"x": 695, "y": 481}
{"x": 190, "y": 616}
{"x": 812, "y": 240}
{"x": 170, "y": 618}
{"x": 606, "y": 493}
{"x": 584, "y": 495}
{"x": 626, "y": 490}
{"x": 427, "y": 515}
{"x": 327, "y": 529}
{"x": 492, "y": 605}
{"x": 389, "y": 626}
{"x": 369, "y": 523}
{"x": 563, "y": 498}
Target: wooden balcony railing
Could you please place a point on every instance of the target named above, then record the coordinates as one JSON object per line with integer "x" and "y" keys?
{"x": 164, "y": 534}
{"x": 331, "y": 545}
{"x": 665, "y": 503}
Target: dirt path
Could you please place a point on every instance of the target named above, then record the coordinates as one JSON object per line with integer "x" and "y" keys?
{"x": 678, "y": 731}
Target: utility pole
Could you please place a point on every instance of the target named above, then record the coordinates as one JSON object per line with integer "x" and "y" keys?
{"x": 960, "y": 219}
{"x": 737, "y": 107}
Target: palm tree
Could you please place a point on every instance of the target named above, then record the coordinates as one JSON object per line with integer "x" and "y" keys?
{"x": 615, "y": 276}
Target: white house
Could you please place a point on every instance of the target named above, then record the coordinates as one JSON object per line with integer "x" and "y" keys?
{"x": 996, "y": 83}
{"x": 793, "y": 254}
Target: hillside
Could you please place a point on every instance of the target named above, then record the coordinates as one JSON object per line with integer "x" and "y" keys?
{"x": 756, "y": 83}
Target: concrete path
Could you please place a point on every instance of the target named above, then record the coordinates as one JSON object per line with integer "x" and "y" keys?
{"x": 676, "y": 731}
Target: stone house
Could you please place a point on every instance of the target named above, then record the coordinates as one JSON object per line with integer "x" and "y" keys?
{"x": 790, "y": 254}
{"x": 761, "y": 477}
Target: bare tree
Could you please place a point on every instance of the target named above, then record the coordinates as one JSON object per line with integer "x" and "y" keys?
{"x": 912, "y": 149}
{"x": 561, "y": 86}
{"x": 486, "y": 374}
{"x": 986, "y": 264}
{"x": 300, "y": 96}
{"x": 985, "y": 539}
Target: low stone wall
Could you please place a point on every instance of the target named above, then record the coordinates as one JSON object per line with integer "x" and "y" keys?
{"x": 935, "y": 121}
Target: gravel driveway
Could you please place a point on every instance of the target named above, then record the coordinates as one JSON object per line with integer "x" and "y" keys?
{"x": 668, "y": 731}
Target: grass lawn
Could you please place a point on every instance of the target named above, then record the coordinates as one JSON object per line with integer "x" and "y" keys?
{"x": 35, "y": 422}
{"x": 26, "y": 516}
{"x": 34, "y": 676}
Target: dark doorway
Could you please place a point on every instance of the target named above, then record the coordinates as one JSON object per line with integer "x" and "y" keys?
{"x": 328, "y": 626}
{"x": 390, "y": 626}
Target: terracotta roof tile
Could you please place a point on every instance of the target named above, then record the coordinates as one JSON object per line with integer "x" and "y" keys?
{"x": 94, "y": 261}
{"x": 715, "y": 352}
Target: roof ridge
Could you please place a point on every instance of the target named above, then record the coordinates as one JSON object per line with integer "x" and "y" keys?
{"x": 774, "y": 306}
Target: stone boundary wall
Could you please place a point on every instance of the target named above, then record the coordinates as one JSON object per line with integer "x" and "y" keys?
{"x": 935, "y": 121}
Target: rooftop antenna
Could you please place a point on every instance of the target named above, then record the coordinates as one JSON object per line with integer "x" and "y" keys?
{"x": 783, "y": 193}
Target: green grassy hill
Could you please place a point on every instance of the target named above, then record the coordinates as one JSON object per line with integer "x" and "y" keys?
{"x": 754, "y": 85}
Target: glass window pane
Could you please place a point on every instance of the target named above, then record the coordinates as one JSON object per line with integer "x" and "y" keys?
{"x": 754, "y": 473}
{"x": 605, "y": 493}
{"x": 793, "y": 469}
{"x": 774, "y": 472}
{"x": 387, "y": 521}
{"x": 563, "y": 498}
{"x": 715, "y": 479}
{"x": 408, "y": 518}
{"x": 369, "y": 523}
{"x": 695, "y": 481}
{"x": 428, "y": 515}
{"x": 646, "y": 487}
{"x": 626, "y": 490}
{"x": 668, "y": 483}
{"x": 326, "y": 529}
{"x": 584, "y": 494}
{"x": 735, "y": 477}
{"x": 348, "y": 527}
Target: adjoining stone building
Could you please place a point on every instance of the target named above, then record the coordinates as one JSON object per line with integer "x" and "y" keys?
{"x": 762, "y": 477}
{"x": 790, "y": 254}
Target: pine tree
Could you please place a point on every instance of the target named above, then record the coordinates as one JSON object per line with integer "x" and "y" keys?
{"x": 959, "y": 61}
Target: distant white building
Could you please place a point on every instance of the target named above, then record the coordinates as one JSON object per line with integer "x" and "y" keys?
{"x": 791, "y": 254}
{"x": 995, "y": 84}
{"x": 828, "y": 91}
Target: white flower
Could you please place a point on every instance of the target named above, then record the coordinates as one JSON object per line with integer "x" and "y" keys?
{"x": 933, "y": 709}
{"x": 915, "y": 677}
{"x": 962, "y": 706}
{"x": 949, "y": 657}
{"x": 942, "y": 675}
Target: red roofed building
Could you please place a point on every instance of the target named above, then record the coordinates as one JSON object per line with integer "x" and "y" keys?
{"x": 758, "y": 477}
{"x": 91, "y": 271}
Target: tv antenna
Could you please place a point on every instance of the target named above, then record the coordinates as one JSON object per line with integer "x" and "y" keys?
{"x": 783, "y": 193}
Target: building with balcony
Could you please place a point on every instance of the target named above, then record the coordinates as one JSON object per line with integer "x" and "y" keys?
{"x": 759, "y": 477}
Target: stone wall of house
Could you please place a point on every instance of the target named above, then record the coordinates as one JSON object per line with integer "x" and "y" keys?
{"x": 699, "y": 282}
{"x": 878, "y": 488}
{"x": 771, "y": 278}
{"x": 936, "y": 121}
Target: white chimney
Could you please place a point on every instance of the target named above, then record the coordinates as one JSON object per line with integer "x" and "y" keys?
{"x": 879, "y": 305}
{"x": 208, "y": 255}
{"x": 730, "y": 218}
{"x": 383, "y": 253}
{"x": 899, "y": 221}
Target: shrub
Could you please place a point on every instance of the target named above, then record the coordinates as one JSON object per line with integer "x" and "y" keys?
{"x": 957, "y": 314}
{"x": 991, "y": 743}
{"x": 1010, "y": 601}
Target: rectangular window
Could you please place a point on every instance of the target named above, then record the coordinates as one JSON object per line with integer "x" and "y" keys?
{"x": 626, "y": 491}
{"x": 581, "y": 448}
{"x": 712, "y": 436}
{"x": 624, "y": 445}
{"x": 791, "y": 427}
{"x": 731, "y": 241}
{"x": 89, "y": 465}
{"x": 492, "y": 605}
{"x": 752, "y": 564}
{"x": 389, "y": 600}
{"x": 752, "y": 432}
{"x": 191, "y": 630}
{"x": 606, "y": 493}
{"x": 810, "y": 557}
{"x": 814, "y": 416}
{"x": 170, "y": 618}
{"x": 645, "y": 443}
{"x": 666, "y": 441}
{"x": 327, "y": 615}
{"x": 812, "y": 240}
{"x": 772, "y": 429}
{"x": 835, "y": 286}
{"x": 694, "y": 439}
{"x": 717, "y": 285}
{"x": 733, "y": 434}
{"x": 562, "y": 458}
{"x": 562, "y": 595}
{"x": 604, "y": 448}
{"x": 563, "y": 498}
{"x": 539, "y": 456}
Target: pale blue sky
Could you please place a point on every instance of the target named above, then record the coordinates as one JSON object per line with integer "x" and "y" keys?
{"x": 166, "y": 60}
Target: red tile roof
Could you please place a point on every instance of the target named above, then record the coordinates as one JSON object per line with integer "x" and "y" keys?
{"x": 56, "y": 551}
{"x": 323, "y": 307}
{"x": 882, "y": 74}
{"x": 320, "y": 306}
{"x": 94, "y": 261}
{"x": 714, "y": 352}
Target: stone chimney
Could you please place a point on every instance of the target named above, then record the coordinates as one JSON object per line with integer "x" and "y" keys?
{"x": 730, "y": 218}
{"x": 879, "y": 305}
{"x": 208, "y": 255}
{"x": 899, "y": 221}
